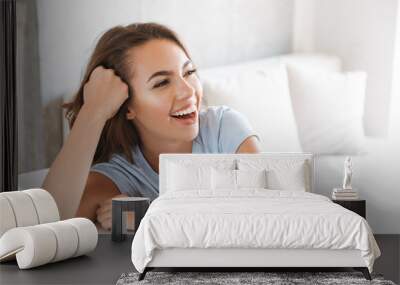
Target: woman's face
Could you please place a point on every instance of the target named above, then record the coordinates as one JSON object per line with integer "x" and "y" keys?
{"x": 164, "y": 81}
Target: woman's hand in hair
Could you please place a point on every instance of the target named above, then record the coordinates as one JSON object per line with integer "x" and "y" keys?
{"x": 104, "y": 213}
{"x": 104, "y": 93}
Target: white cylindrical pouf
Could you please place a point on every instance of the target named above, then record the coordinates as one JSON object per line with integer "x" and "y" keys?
{"x": 34, "y": 245}
{"x": 67, "y": 239}
{"x": 45, "y": 205}
{"x": 40, "y": 244}
{"x": 87, "y": 234}
{"x": 23, "y": 208}
{"x": 7, "y": 218}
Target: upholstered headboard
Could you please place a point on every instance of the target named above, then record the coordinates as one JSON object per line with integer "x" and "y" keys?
{"x": 210, "y": 159}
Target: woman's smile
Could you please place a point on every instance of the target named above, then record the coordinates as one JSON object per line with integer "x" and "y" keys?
{"x": 188, "y": 119}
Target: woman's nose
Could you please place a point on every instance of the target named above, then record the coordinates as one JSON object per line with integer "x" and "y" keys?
{"x": 184, "y": 89}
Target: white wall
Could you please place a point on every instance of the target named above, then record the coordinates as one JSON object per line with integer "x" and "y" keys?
{"x": 366, "y": 35}
{"x": 362, "y": 33}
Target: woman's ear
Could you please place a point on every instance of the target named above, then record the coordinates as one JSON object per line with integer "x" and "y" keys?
{"x": 130, "y": 115}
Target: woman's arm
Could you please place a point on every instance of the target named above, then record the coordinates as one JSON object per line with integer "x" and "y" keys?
{"x": 99, "y": 188}
{"x": 104, "y": 93}
{"x": 249, "y": 145}
{"x": 69, "y": 172}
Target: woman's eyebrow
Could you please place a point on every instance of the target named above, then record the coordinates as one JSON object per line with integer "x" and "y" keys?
{"x": 166, "y": 72}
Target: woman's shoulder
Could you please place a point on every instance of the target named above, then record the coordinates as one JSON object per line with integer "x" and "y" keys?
{"x": 207, "y": 110}
{"x": 222, "y": 128}
{"x": 213, "y": 114}
{"x": 118, "y": 162}
{"x": 130, "y": 178}
{"x": 210, "y": 118}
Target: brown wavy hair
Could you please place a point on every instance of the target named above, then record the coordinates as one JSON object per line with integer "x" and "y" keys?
{"x": 119, "y": 135}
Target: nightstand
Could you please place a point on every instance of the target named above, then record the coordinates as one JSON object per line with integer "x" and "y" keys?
{"x": 138, "y": 205}
{"x": 357, "y": 206}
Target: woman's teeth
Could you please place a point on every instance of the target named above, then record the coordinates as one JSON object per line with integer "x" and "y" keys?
{"x": 187, "y": 111}
{"x": 185, "y": 116}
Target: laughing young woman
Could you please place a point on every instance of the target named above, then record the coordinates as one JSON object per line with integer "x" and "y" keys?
{"x": 140, "y": 97}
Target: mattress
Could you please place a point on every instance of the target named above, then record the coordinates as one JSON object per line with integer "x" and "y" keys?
{"x": 251, "y": 218}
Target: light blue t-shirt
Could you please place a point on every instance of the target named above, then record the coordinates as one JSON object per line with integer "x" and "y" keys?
{"x": 221, "y": 130}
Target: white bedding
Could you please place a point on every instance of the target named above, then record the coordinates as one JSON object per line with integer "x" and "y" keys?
{"x": 250, "y": 218}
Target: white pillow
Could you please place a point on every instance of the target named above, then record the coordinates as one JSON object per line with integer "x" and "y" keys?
{"x": 252, "y": 178}
{"x": 223, "y": 179}
{"x": 182, "y": 177}
{"x": 263, "y": 97}
{"x": 230, "y": 179}
{"x": 282, "y": 174}
{"x": 329, "y": 109}
{"x": 189, "y": 174}
{"x": 292, "y": 179}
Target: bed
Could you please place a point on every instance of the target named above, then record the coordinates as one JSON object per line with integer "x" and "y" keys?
{"x": 201, "y": 220}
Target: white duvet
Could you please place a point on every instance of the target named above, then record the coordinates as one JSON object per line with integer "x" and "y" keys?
{"x": 251, "y": 218}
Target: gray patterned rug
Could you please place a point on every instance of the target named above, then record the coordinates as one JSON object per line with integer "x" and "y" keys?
{"x": 230, "y": 278}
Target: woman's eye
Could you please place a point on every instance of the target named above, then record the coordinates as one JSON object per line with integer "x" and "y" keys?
{"x": 165, "y": 82}
{"x": 161, "y": 83}
{"x": 190, "y": 72}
